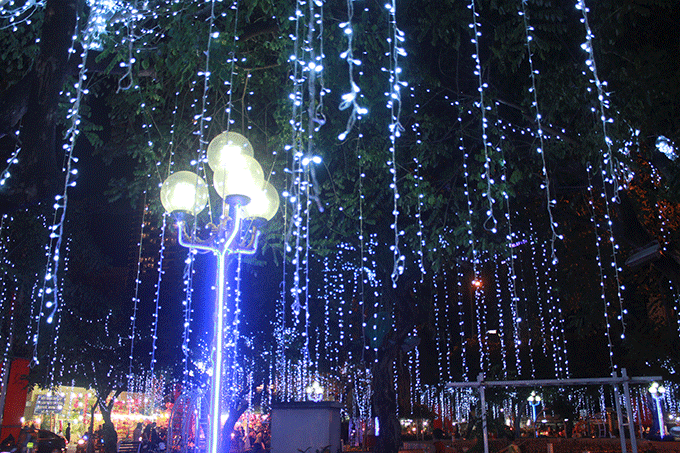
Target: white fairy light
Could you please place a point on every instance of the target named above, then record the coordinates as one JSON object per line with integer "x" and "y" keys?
{"x": 539, "y": 123}
{"x": 490, "y": 223}
{"x": 350, "y": 99}
{"x": 598, "y": 257}
{"x": 49, "y": 293}
{"x": 135, "y": 297}
{"x": 395, "y": 41}
{"x": 608, "y": 170}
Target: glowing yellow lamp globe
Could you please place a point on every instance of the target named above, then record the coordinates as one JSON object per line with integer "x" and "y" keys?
{"x": 243, "y": 176}
{"x": 225, "y": 146}
{"x": 184, "y": 191}
{"x": 264, "y": 204}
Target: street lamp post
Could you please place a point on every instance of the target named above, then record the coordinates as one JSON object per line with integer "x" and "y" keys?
{"x": 534, "y": 400}
{"x": 657, "y": 391}
{"x": 248, "y": 200}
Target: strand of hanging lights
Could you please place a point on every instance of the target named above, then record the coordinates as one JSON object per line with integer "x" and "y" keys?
{"x": 545, "y": 185}
{"x": 349, "y": 100}
{"x": 7, "y": 292}
{"x": 609, "y": 172}
{"x": 296, "y": 185}
{"x": 135, "y": 299}
{"x": 490, "y": 223}
{"x": 600, "y": 266}
{"x": 512, "y": 280}
{"x": 12, "y": 160}
{"x": 501, "y": 325}
{"x": 395, "y": 42}
{"x": 49, "y": 294}
{"x": 308, "y": 65}
{"x": 15, "y": 15}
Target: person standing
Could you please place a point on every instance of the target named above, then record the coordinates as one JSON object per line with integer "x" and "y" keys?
{"x": 137, "y": 433}
{"x": 67, "y": 433}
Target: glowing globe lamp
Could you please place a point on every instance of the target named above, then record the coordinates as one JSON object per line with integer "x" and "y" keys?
{"x": 243, "y": 176}
{"x": 263, "y": 204}
{"x": 184, "y": 191}
{"x": 223, "y": 148}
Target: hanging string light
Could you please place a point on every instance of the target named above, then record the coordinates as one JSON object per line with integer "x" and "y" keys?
{"x": 135, "y": 298}
{"x": 545, "y": 185}
{"x": 609, "y": 165}
{"x": 350, "y": 99}
{"x": 395, "y": 41}
{"x": 499, "y": 314}
{"x": 460, "y": 278}
{"x": 598, "y": 258}
{"x": 490, "y": 223}
{"x": 8, "y": 291}
{"x": 12, "y": 160}
{"x": 437, "y": 319}
{"x": 48, "y": 294}
{"x": 418, "y": 180}
{"x": 15, "y": 15}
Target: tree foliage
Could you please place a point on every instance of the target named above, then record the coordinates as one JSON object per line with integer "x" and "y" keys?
{"x": 159, "y": 108}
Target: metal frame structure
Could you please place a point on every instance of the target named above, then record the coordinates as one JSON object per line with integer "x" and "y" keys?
{"x": 614, "y": 381}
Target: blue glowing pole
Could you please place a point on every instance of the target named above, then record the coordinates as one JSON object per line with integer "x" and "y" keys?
{"x": 534, "y": 400}
{"x": 216, "y": 381}
{"x": 660, "y": 415}
{"x": 225, "y": 240}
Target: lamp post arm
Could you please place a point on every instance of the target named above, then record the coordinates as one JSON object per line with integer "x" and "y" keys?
{"x": 186, "y": 241}
{"x": 251, "y": 247}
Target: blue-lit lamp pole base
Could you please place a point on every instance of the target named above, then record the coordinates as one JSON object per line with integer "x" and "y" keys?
{"x": 657, "y": 391}
{"x": 248, "y": 201}
{"x": 534, "y": 400}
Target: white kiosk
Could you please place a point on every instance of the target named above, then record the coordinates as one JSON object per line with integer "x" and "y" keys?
{"x": 305, "y": 426}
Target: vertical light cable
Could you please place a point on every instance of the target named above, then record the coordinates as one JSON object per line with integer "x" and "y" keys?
{"x": 598, "y": 257}
{"x": 395, "y": 41}
{"x": 350, "y": 99}
{"x": 135, "y": 298}
{"x": 49, "y": 291}
{"x": 418, "y": 177}
{"x": 157, "y": 298}
{"x": 608, "y": 171}
{"x": 8, "y": 296}
{"x": 490, "y": 224}
{"x": 545, "y": 185}
{"x": 501, "y": 324}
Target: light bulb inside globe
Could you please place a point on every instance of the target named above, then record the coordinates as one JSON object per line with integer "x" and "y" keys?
{"x": 263, "y": 204}
{"x": 184, "y": 191}
{"x": 225, "y": 146}
{"x": 243, "y": 176}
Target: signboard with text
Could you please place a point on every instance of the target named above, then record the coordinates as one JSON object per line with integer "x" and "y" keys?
{"x": 49, "y": 403}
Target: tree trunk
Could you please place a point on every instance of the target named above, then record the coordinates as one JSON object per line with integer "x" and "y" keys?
{"x": 37, "y": 177}
{"x": 385, "y": 404}
{"x": 109, "y": 434}
{"x": 236, "y": 409}
{"x": 90, "y": 437}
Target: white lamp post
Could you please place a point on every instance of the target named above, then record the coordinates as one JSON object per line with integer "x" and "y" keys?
{"x": 534, "y": 400}
{"x": 657, "y": 391}
{"x": 238, "y": 179}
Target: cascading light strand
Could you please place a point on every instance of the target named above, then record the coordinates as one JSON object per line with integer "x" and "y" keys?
{"x": 598, "y": 257}
{"x": 609, "y": 164}
{"x": 395, "y": 42}
{"x": 545, "y": 185}
{"x": 490, "y": 224}
{"x": 48, "y": 294}
{"x": 135, "y": 297}
{"x": 349, "y": 100}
